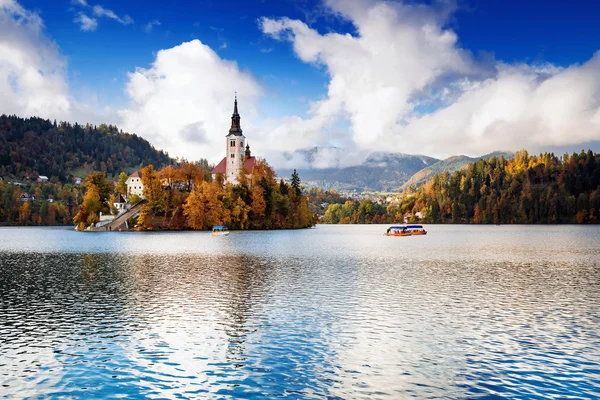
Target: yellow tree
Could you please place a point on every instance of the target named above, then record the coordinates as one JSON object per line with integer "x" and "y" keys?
{"x": 258, "y": 205}
{"x": 193, "y": 209}
{"x": 91, "y": 201}
{"x": 305, "y": 218}
{"x": 169, "y": 176}
{"x": 190, "y": 173}
{"x": 263, "y": 170}
{"x": 90, "y": 209}
{"x": 153, "y": 191}
{"x": 202, "y": 208}
{"x": 242, "y": 177}
{"x": 239, "y": 214}
{"x": 105, "y": 188}
{"x": 24, "y": 212}
{"x": 477, "y": 217}
{"x": 213, "y": 207}
{"x": 145, "y": 217}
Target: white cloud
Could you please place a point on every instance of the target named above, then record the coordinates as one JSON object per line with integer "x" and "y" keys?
{"x": 87, "y": 24}
{"x": 148, "y": 27}
{"x": 32, "y": 72}
{"x": 104, "y": 12}
{"x": 401, "y": 83}
{"x": 91, "y": 24}
{"x": 183, "y": 102}
{"x": 401, "y": 59}
{"x": 33, "y": 79}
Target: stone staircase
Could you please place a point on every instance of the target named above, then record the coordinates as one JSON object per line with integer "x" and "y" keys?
{"x": 120, "y": 222}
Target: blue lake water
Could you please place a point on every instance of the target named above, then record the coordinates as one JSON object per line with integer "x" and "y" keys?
{"x": 330, "y": 312}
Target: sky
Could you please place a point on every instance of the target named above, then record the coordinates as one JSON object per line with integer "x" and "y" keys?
{"x": 352, "y": 77}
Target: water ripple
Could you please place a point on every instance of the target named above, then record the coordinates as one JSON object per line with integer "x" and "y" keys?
{"x": 336, "y": 312}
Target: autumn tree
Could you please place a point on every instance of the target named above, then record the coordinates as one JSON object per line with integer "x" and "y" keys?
{"x": 95, "y": 200}
{"x": 202, "y": 208}
{"x": 153, "y": 191}
{"x": 122, "y": 185}
{"x": 24, "y": 212}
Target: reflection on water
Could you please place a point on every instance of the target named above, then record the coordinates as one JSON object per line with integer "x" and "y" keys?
{"x": 339, "y": 312}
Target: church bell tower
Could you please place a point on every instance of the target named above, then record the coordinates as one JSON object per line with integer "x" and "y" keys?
{"x": 235, "y": 142}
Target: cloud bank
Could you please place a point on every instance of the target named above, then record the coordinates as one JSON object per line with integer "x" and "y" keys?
{"x": 32, "y": 72}
{"x": 402, "y": 60}
{"x": 399, "y": 82}
{"x": 183, "y": 102}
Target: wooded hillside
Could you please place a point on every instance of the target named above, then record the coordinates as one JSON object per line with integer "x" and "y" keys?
{"x": 36, "y": 146}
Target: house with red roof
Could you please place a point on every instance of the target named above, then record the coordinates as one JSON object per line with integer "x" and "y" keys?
{"x": 236, "y": 155}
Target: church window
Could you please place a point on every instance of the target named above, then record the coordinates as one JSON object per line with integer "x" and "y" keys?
{"x": 232, "y": 143}
{"x": 232, "y": 155}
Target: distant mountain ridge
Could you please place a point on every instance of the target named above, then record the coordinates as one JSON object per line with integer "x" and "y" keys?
{"x": 380, "y": 172}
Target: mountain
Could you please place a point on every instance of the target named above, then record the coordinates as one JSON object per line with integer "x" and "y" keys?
{"x": 379, "y": 172}
{"x": 449, "y": 164}
{"x": 36, "y": 146}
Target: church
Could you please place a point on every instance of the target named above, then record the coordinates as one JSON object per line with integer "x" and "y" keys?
{"x": 236, "y": 155}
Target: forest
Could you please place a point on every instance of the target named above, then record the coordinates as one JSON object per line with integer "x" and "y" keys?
{"x": 35, "y": 146}
{"x": 525, "y": 189}
{"x": 186, "y": 197}
{"x": 528, "y": 189}
{"x": 33, "y": 203}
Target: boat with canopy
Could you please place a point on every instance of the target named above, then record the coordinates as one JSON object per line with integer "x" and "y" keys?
{"x": 405, "y": 230}
{"x": 220, "y": 230}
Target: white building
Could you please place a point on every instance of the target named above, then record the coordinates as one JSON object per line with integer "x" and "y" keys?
{"x": 120, "y": 203}
{"x": 237, "y": 151}
{"x": 135, "y": 185}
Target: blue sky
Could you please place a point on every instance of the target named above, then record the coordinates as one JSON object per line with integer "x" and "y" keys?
{"x": 292, "y": 72}
{"x": 537, "y": 31}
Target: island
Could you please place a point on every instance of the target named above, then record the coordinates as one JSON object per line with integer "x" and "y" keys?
{"x": 242, "y": 192}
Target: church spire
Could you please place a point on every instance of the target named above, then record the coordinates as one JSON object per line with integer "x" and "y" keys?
{"x": 236, "y": 128}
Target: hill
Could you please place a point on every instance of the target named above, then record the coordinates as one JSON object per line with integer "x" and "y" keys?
{"x": 522, "y": 190}
{"x": 379, "y": 172}
{"x": 449, "y": 164}
{"x": 36, "y": 146}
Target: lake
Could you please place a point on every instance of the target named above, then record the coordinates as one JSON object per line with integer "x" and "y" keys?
{"x": 330, "y": 312}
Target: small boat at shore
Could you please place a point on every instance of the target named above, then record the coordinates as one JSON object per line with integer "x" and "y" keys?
{"x": 405, "y": 230}
{"x": 220, "y": 231}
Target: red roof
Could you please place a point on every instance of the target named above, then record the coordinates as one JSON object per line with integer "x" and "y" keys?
{"x": 136, "y": 174}
{"x": 249, "y": 164}
{"x": 220, "y": 168}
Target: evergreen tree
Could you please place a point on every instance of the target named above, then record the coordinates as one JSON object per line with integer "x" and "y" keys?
{"x": 296, "y": 184}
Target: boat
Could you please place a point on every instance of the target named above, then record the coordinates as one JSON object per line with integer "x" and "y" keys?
{"x": 220, "y": 230}
{"x": 405, "y": 230}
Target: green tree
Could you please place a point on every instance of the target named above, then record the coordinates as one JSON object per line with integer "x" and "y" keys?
{"x": 122, "y": 185}
{"x": 296, "y": 184}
